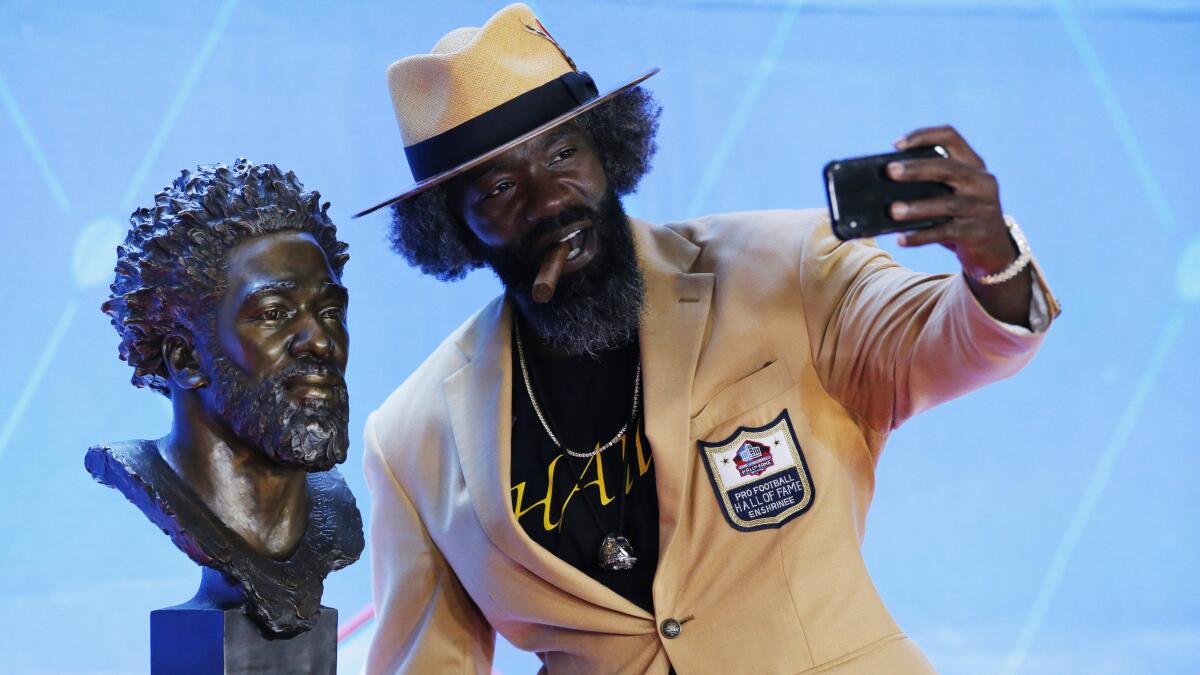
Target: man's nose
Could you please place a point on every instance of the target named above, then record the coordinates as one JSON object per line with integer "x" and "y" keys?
{"x": 548, "y": 197}
{"x": 312, "y": 338}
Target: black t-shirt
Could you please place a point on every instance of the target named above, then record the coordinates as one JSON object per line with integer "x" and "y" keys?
{"x": 586, "y": 401}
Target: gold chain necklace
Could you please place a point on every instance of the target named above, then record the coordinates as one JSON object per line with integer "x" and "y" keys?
{"x": 637, "y": 385}
{"x": 616, "y": 553}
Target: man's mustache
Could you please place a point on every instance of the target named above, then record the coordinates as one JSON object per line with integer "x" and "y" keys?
{"x": 545, "y": 226}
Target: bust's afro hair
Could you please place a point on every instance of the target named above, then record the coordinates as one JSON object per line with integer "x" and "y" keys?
{"x": 170, "y": 271}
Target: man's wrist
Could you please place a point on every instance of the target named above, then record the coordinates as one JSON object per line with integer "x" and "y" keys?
{"x": 1018, "y": 265}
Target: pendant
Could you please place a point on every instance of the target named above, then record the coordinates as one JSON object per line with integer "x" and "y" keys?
{"x": 616, "y": 553}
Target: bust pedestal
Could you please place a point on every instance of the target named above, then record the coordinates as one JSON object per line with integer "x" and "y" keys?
{"x": 211, "y": 634}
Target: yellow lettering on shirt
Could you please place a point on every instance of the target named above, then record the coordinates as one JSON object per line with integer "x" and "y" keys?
{"x": 594, "y": 468}
{"x": 519, "y": 508}
{"x": 643, "y": 459}
{"x": 598, "y": 481}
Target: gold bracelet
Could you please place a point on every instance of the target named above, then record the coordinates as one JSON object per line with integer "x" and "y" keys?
{"x": 1024, "y": 255}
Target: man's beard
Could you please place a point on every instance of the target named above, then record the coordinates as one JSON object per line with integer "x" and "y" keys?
{"x": 311, "y": 434}
{"x": 595, "y": 309}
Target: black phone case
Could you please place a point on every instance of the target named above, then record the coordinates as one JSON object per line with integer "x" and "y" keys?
{"x": 859, "y": 193}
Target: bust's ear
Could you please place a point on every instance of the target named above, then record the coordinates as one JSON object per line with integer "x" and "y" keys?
{"x": 183, "y": 366}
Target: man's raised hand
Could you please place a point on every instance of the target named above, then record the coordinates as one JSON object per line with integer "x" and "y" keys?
{"x": 974, "y": 227}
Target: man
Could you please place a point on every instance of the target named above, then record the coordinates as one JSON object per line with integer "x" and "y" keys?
{"x": 228, "y": 300}
{"x": 667, "y": 466}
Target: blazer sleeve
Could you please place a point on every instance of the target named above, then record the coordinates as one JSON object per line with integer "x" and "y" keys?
{"x": 425, "y": 621}
{"x": 889, "y": 342}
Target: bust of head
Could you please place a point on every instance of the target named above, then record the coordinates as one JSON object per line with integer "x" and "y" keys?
{"x": 228, "y": 300}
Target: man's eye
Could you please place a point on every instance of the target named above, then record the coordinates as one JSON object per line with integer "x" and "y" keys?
{"x": 504, "y": 186}
{"x": 273, "y": 314}
{"x": 335, "y": 313}
{"x": 565, "y": 153}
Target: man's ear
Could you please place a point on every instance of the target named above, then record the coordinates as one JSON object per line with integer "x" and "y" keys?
{"x": 183, "y": 367}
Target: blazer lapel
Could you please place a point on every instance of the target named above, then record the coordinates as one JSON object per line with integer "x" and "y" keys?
{"x": 673, "y": 328}
{"x": 479, "y": 397}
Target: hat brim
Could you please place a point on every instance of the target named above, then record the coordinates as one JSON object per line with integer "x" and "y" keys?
{"x": 444, "y": 176}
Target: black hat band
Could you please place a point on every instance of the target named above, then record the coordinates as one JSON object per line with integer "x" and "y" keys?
{"x": 501, "y": 124}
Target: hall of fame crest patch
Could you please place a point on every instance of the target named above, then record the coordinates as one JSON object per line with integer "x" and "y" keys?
{"x": 759, "y": 475}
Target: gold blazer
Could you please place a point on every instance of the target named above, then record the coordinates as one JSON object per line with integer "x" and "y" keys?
{"x": 756, "y": 326}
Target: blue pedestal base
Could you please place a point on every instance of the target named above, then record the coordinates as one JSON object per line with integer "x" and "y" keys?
{"x": 212, "y": 635}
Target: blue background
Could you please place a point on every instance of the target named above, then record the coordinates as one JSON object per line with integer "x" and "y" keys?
{"x": 1047, "y": 524}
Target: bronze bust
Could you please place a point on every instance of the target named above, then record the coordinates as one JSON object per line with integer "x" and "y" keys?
{"x": 228, "y": 300}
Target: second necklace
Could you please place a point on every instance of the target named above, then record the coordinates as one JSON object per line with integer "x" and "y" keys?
{"x": 615, "y": 552}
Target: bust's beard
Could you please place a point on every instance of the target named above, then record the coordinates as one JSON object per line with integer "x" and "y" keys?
{"x": 310, "y": 434}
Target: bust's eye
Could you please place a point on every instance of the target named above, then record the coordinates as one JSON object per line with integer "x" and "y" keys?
{"x": 273, "y": 313}
{"x": 334, "y": 313}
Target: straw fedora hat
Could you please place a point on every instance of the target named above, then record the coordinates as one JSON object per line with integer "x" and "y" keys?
{"x": 482, "y": 91}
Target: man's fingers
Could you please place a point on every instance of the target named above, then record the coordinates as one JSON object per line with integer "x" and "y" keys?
{"x": 963, "y": 179}
{"x": 937, "y": 170}
{"x": 938, "y": 234}
{"x": 914, "y": 137}
{"x": 945, "y": 136}
{"x": 946, "y": 206}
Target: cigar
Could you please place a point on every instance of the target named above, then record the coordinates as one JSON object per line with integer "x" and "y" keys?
{"x": 549, "y": 272}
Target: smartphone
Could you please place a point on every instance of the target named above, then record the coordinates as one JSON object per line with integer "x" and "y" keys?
{"x": 860, "y": 192}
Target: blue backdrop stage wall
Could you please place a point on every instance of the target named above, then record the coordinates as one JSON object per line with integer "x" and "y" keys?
{"x": 1048, "y": 524}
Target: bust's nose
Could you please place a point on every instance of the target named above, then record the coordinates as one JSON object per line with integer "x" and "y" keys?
{"x": 311, "y": 338}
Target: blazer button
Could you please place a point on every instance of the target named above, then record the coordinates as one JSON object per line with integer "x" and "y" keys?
{"x": 670, "y": 629}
